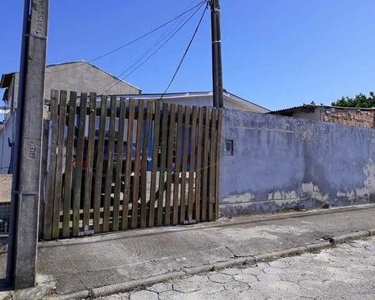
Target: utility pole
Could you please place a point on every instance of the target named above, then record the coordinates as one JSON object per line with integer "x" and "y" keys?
{"x": 217, "y": 69}
{"x": 23, "y": 236}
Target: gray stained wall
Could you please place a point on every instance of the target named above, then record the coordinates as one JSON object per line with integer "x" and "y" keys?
{"x": 84, "y": 77}
{"x": 285, "y": 163}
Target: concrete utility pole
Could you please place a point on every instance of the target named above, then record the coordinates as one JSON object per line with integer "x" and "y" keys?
{"x": 23, "y": 237}
{"x": 217, "y": 70}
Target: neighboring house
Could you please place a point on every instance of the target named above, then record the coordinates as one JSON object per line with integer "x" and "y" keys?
{"x": 82, "y": 76}
{"x": 202, "y": 99}
{"x": 79, "y": 76}
{"x": 351, "y": 116}
{"x": 76, "y": 76}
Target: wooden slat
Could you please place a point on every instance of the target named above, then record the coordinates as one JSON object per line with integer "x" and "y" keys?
{"x": 191, "y": 198}
{"x": 89, "y": 162}
{"x": 99, "y": 164}
{"x": 144, "y": 165}
{"x": 109, "y": 164}
{"x": 198, "y": 184}
{"x": 171, "y": 137}
{"x": 184, "y": 164}
{"x": 155, "y": 155}
{"x": 176, "y": 183}
{"x": 212, "y": 166}
{"x": 43, "y": 179}
{"x": 218, "y": 153}
{"x": 69, "y": 164}
{"x": 59, "y": 163}
{"x": 79, "y": 162}
{"x": 205, "y": 163}
{"x": 119, "y": 165}
{"x": 137, "y": 165}
{"x": 163, "y": 158}
{"x": 48, "y": 217}
{"x": 128, "y": 165}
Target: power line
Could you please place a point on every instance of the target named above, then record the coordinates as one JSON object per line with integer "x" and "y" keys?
{"x": 137, "y": 39}
{"x": 153, "y": 53}
{"x": 164, "y": 36}
{"x": 185, "y": 53}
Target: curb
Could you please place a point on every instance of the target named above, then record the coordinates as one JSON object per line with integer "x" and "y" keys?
{"x": 131, "y": 285}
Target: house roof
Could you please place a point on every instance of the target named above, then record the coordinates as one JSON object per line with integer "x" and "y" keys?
{"x": 238, "y": 100}
{"x": 7, "y": 78}
{"x": 311, "y": 107}
{"x": 87, "y": 63}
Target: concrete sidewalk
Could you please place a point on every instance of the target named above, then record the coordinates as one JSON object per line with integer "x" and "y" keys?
{"x": 92, "y": 262}
{"x": 109, "y": 263}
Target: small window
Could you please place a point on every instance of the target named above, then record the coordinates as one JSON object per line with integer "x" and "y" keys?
{"x": 229, "y": 147}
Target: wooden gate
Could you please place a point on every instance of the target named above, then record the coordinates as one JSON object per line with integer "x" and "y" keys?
{"x": 116, "y": 164}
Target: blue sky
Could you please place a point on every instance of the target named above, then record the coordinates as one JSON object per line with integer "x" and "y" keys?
{"x": 277, "y": 53}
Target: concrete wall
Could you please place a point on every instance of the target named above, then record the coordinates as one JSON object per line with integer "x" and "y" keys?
{"x": 282, "y": 162}
{"x": 310, "y": 116}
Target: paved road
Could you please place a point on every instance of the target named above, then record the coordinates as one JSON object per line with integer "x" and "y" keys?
{"x": 345, "y": 272}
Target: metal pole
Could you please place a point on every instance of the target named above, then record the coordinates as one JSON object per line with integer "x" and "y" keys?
{"x": 217, "y": 70}
{"x": 23, "y": 236}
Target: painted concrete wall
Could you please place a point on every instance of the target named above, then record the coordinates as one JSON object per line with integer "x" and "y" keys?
{"x": 310, "y": 116}
{"x": 282, "y": 163}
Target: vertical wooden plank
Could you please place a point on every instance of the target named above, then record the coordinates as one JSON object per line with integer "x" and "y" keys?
{"x": 128, "y": 165}
{"x": 99, "y": 164}
{"x": 155, "y": 154}
{"x": 205, "y": 162}
{"x": 79, "y": 162}
{"x": 59, "y": 162}
{"x": 43, "y": 178}
{"x": 119, "y": 165}
{"x": 184, "y": 164}
{"x": 177, "y": 168}
{"x": 109, "y": 165}
{"x": 69, "y": 164}
{"x": 212, "y": 166}
{"x": 144, "y": 165}
{"x": 218, "y": 153}
{"x": 171, "y": 136}
{"x": 191, "y": 198}
{"x": 198, "y": 183}
{"x": 163, "y": 158}
{"x": 48, "y": 217}
{"x": 137, "y": 164}
{"x": 89, "y": 162}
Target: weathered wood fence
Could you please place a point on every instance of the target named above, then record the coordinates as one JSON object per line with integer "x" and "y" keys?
{"x": 115, "y": 164}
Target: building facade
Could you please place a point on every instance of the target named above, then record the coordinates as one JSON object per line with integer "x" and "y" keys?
{"x": 76, "y": 76}
{"x": 350, "y": 116}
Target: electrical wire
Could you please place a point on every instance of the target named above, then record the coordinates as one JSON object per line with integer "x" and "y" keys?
{"x": 185, "y": 53}
{"x": 135, "y": 40}
{"x": 154, "y": 52}
{"x": 164, "y": 36}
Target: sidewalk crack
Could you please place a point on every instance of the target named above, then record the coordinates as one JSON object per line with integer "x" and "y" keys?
{"x": 231, "y": 252}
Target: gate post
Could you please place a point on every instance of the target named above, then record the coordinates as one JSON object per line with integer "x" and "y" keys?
{"x": 23, "y": 235}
